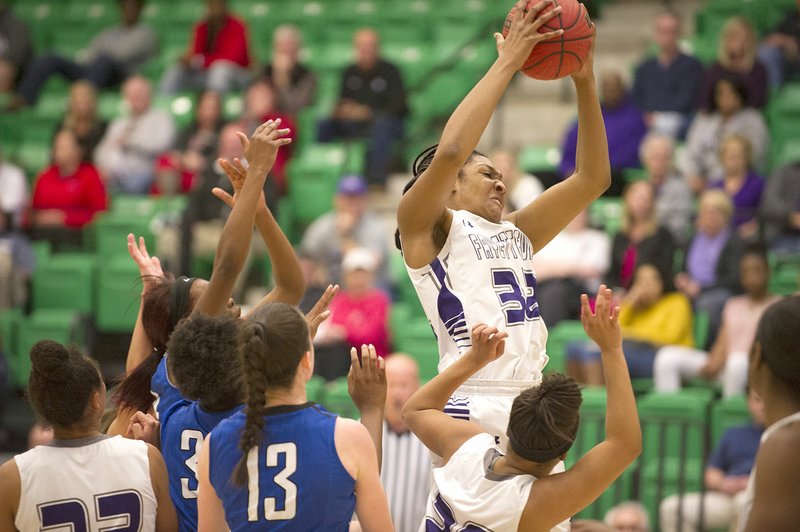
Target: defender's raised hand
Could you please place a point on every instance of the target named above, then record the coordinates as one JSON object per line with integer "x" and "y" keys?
{"x": 602, "y": 325}
{"x": 149, "y": 267}
{"x": 366, "y": 381}
{"x": 488, "y": 344}
{"x": 319, "y": 312}
{"x": 261, "y": 148}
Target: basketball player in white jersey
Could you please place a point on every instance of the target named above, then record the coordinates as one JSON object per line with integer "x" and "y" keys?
{"x": 773, "y": 492}
{"x": 480, "y": 487}
{"x": 468, "y": 264}
{"x": 83, "y": 480}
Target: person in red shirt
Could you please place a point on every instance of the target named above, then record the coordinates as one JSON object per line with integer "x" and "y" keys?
{"x": 218, "y": 57}
{"x": 67, "y": 194}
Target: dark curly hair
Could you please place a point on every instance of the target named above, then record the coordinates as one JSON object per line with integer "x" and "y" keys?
{"x": 420, "y": 164}
{"x": 61, "y": 382}
{"x": 272, "y": 342}
{"x": 202, "y": 361}
{"x": 547, "y": 416}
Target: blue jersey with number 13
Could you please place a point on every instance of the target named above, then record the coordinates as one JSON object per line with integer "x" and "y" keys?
{"x": 296, "y": 480}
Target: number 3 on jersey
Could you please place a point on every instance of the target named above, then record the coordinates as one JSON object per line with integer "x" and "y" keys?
{"x": 271, "y": 512}
{"x": 518, "y": 302}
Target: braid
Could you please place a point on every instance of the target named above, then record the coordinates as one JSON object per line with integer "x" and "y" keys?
{"x": 253, "y": 354}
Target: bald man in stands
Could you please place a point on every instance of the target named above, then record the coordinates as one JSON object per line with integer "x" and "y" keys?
{"x": 406, "y": 470}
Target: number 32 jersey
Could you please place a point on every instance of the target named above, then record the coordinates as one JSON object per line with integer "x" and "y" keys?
{"x": 484, "y": 274}
{"x": 99, "y": 483}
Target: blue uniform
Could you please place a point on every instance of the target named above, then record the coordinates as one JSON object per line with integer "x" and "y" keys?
{"x": 296, "y": 480}
{"x": 184, "y": 426}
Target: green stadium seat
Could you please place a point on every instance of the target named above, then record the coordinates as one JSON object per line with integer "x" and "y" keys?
{"x": 728, "y": 413}
{"x": 785, "y": 280}
{"x": 33, "y": 158}
{"x": 118, "y": 289}
{"x": 315, "y": 389}
{"x": 109, "y": 232}
{"x": 62, "y": 326}
{"x": 606, "y": 213}
{"x": 9, "y": 332}
{"x": 700, "y": 326}
{"x": 557, "y": 339}
{"x": 674, "y": 443}
{"x": 41, "y": 251}
{"x": 133, "y": 205}
{"x": 539, "y": 158}
{"x": 356, "y": 157}
{"x": 337, "y": 399}
{"x": 65, "y": 281}
{"x": 417, "y": 340}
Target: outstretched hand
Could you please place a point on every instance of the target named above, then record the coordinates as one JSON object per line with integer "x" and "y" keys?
{"x": 488, "y": 344}
{"x": 523, "y": 33}
{"x": 319, "y": 312}
{"x": 149, "y": 267}
{"x": 261, "y": 148}
{"x": 237, "y": 173}
{"x": 366, "y": 381}
{"x": 602, "y": 325}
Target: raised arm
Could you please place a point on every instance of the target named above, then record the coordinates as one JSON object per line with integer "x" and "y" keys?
{"x": 423, "y": 413}
{"x": 234, "y": 242}
{"x": 150, "y": 271}
{"x": 289, "y": 282}
{"x": 423, "y": 207}
{"x": 598, "y": 468}
{"x": 547, "y": 215}
{"x": 366, "y": 384}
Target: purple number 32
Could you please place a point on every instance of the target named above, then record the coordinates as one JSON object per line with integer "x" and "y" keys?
{"x": 115, "y": 506}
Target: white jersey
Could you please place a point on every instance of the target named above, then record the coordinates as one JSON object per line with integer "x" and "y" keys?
{"x": 750, "y": 490}
{"x": 92, "y": 484}
{"x": 467, "y": 493}
{"x": 484, "y": 274}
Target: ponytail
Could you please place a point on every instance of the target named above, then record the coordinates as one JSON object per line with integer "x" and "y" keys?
{"x": 253, "y": 353}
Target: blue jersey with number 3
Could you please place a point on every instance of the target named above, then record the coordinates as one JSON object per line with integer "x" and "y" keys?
{"x": 295, "y": 478}
{"x": 184, "y": 427}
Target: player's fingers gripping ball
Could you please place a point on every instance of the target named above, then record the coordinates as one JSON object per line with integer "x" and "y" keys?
{"x": 564, "y": 54}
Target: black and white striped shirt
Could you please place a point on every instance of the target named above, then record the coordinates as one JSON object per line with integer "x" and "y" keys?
{"x": 406, "y": 477}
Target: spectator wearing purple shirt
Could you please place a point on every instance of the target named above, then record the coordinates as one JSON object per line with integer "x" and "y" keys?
{"x": 736, "y": 57}
{"x": 711, "y": 270}
{"x": 741, "y": 184}
{"x": 625, "y": 129}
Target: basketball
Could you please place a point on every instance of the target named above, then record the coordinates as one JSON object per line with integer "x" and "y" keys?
{"x": 561, "y": 55}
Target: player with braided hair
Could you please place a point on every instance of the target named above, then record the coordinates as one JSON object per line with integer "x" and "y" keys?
{"x": 480, "y": 487}
{"x": 469, "y": 262}
{"x": 285, "y": 463}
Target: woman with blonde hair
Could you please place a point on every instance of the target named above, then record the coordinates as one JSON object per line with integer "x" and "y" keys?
{"x": 82, "y": 117}
{"x": 736, "y": 56}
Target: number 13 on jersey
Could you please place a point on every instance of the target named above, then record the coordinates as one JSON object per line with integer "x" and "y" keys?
{"x": 271, "y": 511}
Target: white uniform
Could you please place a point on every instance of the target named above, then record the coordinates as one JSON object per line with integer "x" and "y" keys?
{"x": 750, "y": 490}
{"x": 467, "y": 493}
{"x": 484, "y": 274}
{"x": 91, "y": 484}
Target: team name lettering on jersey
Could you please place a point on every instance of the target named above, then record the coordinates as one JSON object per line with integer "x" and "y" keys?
{"x": 507, "y": 244}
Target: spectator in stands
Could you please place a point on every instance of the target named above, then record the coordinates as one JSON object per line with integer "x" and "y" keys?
{"x": 625, "y": 129}
{"x": 710, "y": 273}
{"x": 780, "y": 49}
{"x": 113, "y": 55}
{"x": 192, "y": 154}
{"x": 360, "y": 311}
{"x": 350, "y": 225}
{"x": 780, "y": 209}
{"x": 13, "y": 190}
{"x": 521, "y": 187}
{"x": 295, "y": 85}
{"x": 573, "y": 263}
{"x": 260, "y": 105}
{"x": 372, "y": 105}
{"x": 736, "y": 59}
{"x": 16, "y": 48}
{"x": 67, "y": 194}
{"x": 740, "y": 183}
{"x": 17, "y": 262}
{"x": 640, "y": 239}
{"x": 406, "y": 467}
{"x": 129, "y": 149}
{"x": 728, "y": 116}
{"x": 725, "y": 478}
{"x": 727, "y": 359}
{"x": 629, "y": 516}
{"x": 651, "y": 316}
{"x": 218, "y": 57}
{"x": 674, "y": 198}
{"x": 665, "y": 86}
{"x": 82, "y": 118}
